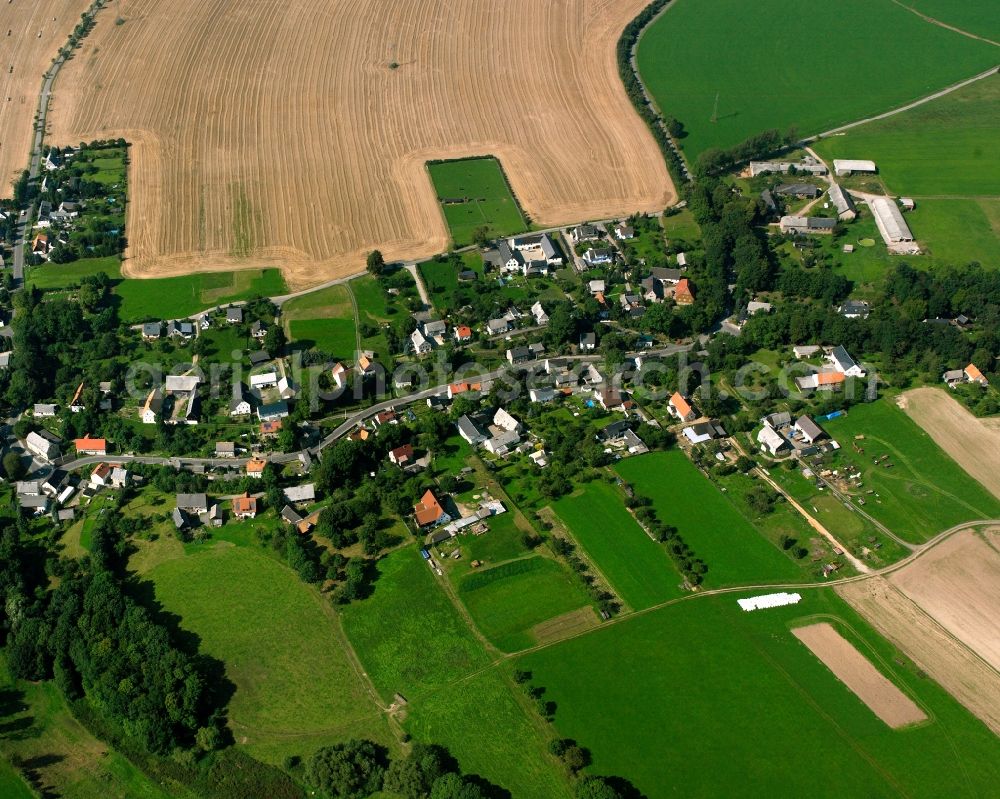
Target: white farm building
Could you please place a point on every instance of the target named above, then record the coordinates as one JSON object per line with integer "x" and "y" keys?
{"x": 890, "y": 223}
{"x": 847, "y": 166}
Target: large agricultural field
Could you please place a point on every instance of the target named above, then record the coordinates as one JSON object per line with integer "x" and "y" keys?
{"x": 234, "y": 153}
{"x": 37, "y": 31}
{"x": 978, "y": 17}
{"x": 696, "y": 52}
{"x": 769, "y": 714}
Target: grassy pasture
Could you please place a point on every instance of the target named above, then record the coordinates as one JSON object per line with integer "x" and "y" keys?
{"x": 474, "y": 192}
{"x": 323, "y": 319}
{"x": 789, "y": 76}
{"x": 408, "y": 636}
{"x": 508, "y": 600}
{"x": 168, "y": 297}
{"x": 736, "y": 553}
{"x": 637, "y": 567}
{"x": 713, "y": 701}
{"x": 925, "y": 492}
{"x": 296, "y": 687}
{"x": 63, "y": 276}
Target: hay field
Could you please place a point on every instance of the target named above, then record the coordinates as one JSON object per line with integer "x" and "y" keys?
{"x": 856, "y": 672}
{"x": 296, "y": 135}
{"x": 972, "y": 442}
{"x": 24, "y": 56}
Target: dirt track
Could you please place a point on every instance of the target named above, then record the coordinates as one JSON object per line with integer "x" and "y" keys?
{"x": 276, "y": 133}
{"x": 973, "y": 443}
{"x": 24, "y": 56}
{"x": 882, "y": 696}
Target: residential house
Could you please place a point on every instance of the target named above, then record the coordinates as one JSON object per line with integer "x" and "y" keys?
{"x": 264, "y": 380}
{"x": 258, "y": 357}
{"x": 505, "y": 421}
{"x": 684, "y": 292}
{"x": 844, "y": 363}
{"x": 180, "y": 329}
{"x": 954, "y": 377}
{"x": 385, "y": 417}
{"x": 239, "y": 405}
{"x": 552, "y": 254}
{"x": 289, "y": 515}
{"x": 366, "y": 366}
{"x": 601, "y": 256}
{"x": 510, "y": 260}
{"x": 681, "y": 408}
{"x": 701, "y": 432}
{"x": 537, "y": 311}
{"x": 854, "y": 309}
{"x": 502, "y": 443}
{"x": 470, "y": 431}
{"x": 192, "y": 503}
{"x": 44, "y": 410}
{"x": 301, "y": 494}
{"x": 624, "y": 232}
{"x": 597, "y": 286}
{"x": 518, "y": 355}
{"x": 287, "y": 389}
{"x": 771, "y": 441}
{"x": 339, "y": 375}
{"x": 119, "y": 477}
{"x": 152, "y": 330}
{"x": 234, "y": 315}
{"x": 245, "y": 507}
{"x": 182, "y": 384}
{"x": 258, "y": 330}
{"x": 541, "y": 394}
{"x": 611, "y": 399}
{"x": 682, "y": 260}
{"x": 152, "y": 408}
{"x": 584, "y": 233}
{"x": 632, "y": 305}
{"x": 428, "y": 512}
{"x": 419, "y": 344}
{"x": 255, "y": 467}
{"x": 824, "y": 381}
{"x": 973, "y": 375}
{"x": 40, "y": 244}
{"x": 91, "y": 446}
{"x": 272, "y": 411}
{"x": 41, "y": 447}
{"x": 76, "y": 404}
{"x": 401, "y": 455}
{"x": 496, "y": 327}
{"x": 270, "y": 428}
{"x": 777, "y": 420}
{"x": 588, "y": 342}
{"x": 28, "y": 488}
{"x": 462, "y": 388}
{"x": 802, "y": 190}
{"x": 225, "y": 449}
{"x": 808, "y": 429}
{"x": 463, "y": 334}
{"x": 101, "y": 475}
{"x": 806, "y": 350}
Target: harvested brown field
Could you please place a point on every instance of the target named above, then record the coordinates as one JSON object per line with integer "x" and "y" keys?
{"x": 296, "y": 134}
{"x": 974, "y": 443}
{"x": 853, "y": 669}
{"x": 957, "y": 669}
{"x": 958, "y": 584}
{"x": 25, "y": 56}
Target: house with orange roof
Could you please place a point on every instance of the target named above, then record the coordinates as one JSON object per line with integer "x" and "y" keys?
{"x": 91, "y": 446}
{"x": 255, "y": 467}
{"x": 428, "y": 512}
{"x": 245, "y": 507}
{"x": 973, "y": 375}
{"x": 824, "y": 381}
{"x": 366, "y": 366}
{"x": 339, "y": 374}
{"x": 681, "y": 408}
{"x": 361, "y": 434}
{"x": 270, "y": 428}
{"x": 462, "y": 388}
{"x": 683, "y": 292}
{"x": 463, "y": 333}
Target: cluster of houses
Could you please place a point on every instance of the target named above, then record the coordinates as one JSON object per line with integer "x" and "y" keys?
{"x": 970, "y": 374}
{"x": 838, "y": 365}
{"x": 195, "y": 510}
{"x": 530, "y": 256}
{"x": 781, "y": 435}
{"x": 61, "y": 491}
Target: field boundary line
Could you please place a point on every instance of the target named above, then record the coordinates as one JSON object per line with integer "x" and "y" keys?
{"x": 945, "y": 25}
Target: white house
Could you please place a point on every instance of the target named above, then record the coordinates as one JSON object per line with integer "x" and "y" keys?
{"x": 507, "y": 422}
{"x": 41, "y": 446}
{"x": 541, "y": 318}
{"x": 771, "y": 441}
{"x": 264, "y": 380}
{"x": 844, "y": 363}
{"x": 152, "y": 407}
{"x": 419, "y": 343}
{"x": 598, "y": 257}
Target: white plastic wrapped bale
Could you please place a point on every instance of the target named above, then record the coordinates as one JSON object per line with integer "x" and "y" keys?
{"x": 768, "y": 601}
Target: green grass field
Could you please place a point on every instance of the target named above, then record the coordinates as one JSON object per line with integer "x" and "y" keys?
{"x": 736, "y": 553}
{"x": 925, "y": 491}
{"x": 794, "y": 74}
{"x": 171, "y": 297}
{"x": 712, "y": 701}
{"x": 473, "y": 193}
{"x": 411, "y": 639}
{"x": 638, "y": 568}
{"x": 975, "y": 16}
{"x": 407, "y": 634}
{"x": 947, "y": 147}
{"x": 62, "y": 276}
{"x": 323, "y": 319}
{"x": 296, "y": 686}
{"x": 508, "y": 600}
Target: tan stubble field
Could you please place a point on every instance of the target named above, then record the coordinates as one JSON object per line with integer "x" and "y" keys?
{"x": 24, "y": 56}
{"x": 973, "y": 443}
{"x": 276, "y": 133}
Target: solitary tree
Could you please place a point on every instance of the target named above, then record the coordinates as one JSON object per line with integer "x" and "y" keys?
{"x": 376, "y": 263}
